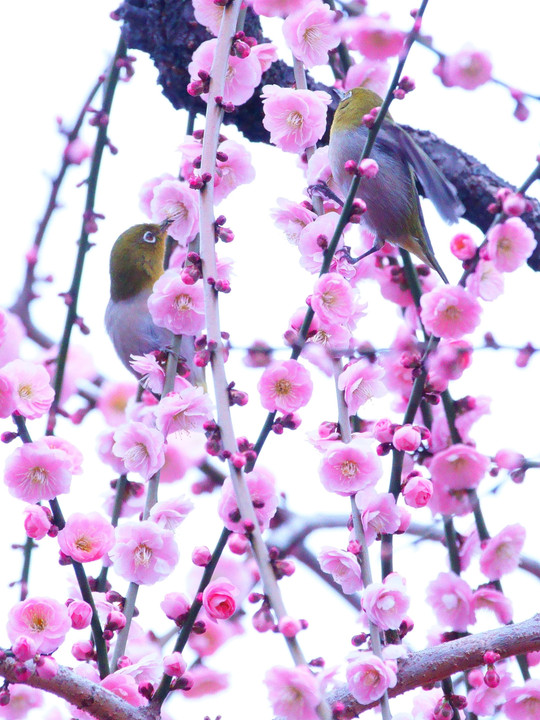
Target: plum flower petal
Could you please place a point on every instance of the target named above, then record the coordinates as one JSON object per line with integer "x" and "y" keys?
{"x": 311, "y": 32}
{"x": 451, "y": 599}
{"x": 510, "y": 244}
{"x": 32, "y": 385}
{"x": 36, "y": 472}
{"x": 459, "y": 467}
{"x": 369, "y": 677}
{"x": 343, "y": 566}
{"x": 285, "y": 386}
{"x": 295, "y": 119}
{"x": 86, "y": 537}
{"x": 378, "y": 513}
{"x": 334, "y": 302}
{"x": 523, "y": 703}
{"x": 360, "y": 381}
{"x": 294, "y": 692}
{"x": 175, "y": 201}
{"x": 500, "y": 554}
{"x": 261, "y": 486}
{"x": 449, "y": 312}
{"x": 143, "y": 552}
{"x": 468, "y": 69}
{"x": 140, "y": 448}
{"x": 375, "y": 37}
{"x": 43, "y": 619}
{"x": 347, "y": 468}
{"x": 176, "y": 306}
{"x": 386, "y": 603}
{"x": 185, "y": 411}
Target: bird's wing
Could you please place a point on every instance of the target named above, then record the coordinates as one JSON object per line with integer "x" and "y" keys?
{"x": 437, "y": 188}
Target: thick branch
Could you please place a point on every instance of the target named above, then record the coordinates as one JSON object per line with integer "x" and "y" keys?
{"x": 428, "y": 666}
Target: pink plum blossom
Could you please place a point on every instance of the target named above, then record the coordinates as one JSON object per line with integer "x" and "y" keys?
{"x": 371, "y": 74}
{"x": 285, "y": 386}
{"x": 315, "y": 238}
{"x": 369, "y": 677}
{"x": 86, "y": 537}
{"x": 379, "y": 514}
{"x": 523, "y": 703}
{"x": 386, "y": 603}
{"x": 37, "y": 522}
{"x": 449, "y": 312}
{"x": 79, "y": 367}
{"x": 8, "y": 394}
{"x": 34, "y": 472}
{"x": 125, "y": 687}
{"x": 151, "y": 372}
{"x": 113, "y": 399}
{"x": 375, "y": 37}
{"x": 32, "y": 385}
{"x": 74, "y": 455}
{"x": 343, "y": 566}
{"x": 205, "y": 681}
{"x": 311, "y": 32}
{"x": 169, "y": 514}
{"x": 180, "y": 456}
{"x": 510, "y": 244}
{"x": 273, "y": 8}
{"x": 451, "y": 599}
{"x": 266, "y": 54}
{"x": 417, "y": 491}
{"x": 490, "y": 599}
{"x": 261, "y": 486}
{"x": 292, "y": 218}
{"x": 360, "y": 381}
{"x": 459, "y": 467}
{"x": 219, "y": 599}
{"x": 467, "y": 69}
{"x": 42, "y": 619}
{"x": 185, "y": 411}
{"x": 486, "y": 281}
{"x": 104, "y": 448}
{"x": 294, "y": 692}
{"x": 295, "y": 119}
{"x": 500, "y": 555}
{"x": 77, "y": 150}
{"x": 177, "y": 306}
{"x": 140, "y": 448}
{"x": 448, "y": 501}
{"x": 448, "y": 362}
{"x": 347, "y": 468}
{"x": 243, "y": 74}
{"x": 208, "y": 14}
{"x": 174, "y": 201}
{"x": 334, "y": 302}
{"x": 146, "y": 193}
{"x": 143, "y": 552}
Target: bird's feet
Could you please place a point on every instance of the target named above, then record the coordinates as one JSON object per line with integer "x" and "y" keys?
{"x": 346, "y": 252}
{"x": 322, "y": 190}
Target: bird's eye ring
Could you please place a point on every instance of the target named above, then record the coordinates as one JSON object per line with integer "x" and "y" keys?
{"x": 149, "y": 237}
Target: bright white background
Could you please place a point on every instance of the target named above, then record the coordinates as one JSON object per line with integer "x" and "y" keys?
{"x": 52, "y": 53}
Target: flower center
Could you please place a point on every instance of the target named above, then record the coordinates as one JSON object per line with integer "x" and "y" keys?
{"x": 142, "y": 555}
{"x": 295, "y": 120}
{"x": 38, "y": 476}
{"x": 83, "y": 543}
{"x": 328, "y": 299}
{"x": 452, "y": 313}
{"x": 230, "y": 73}
{"x": 37, "y": 623}
{"x": 25, "y": 392}
{"x": 182, "y": 302}
{"x": 282, "y": 387}
{"x": 312, "y": 35}
{"x": 136, "y": 454}
{"x": 504, "y": 246}
{"x": 349, "y": 469}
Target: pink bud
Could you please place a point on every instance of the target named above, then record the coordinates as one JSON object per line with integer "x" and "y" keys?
{"x": 289, "y": 627}
{"x": 463, "y": 246}
{"x": 83, "y": 651}
{"x": 514, "y": 205}
{"x": 80, "y": 613}
{"x": 407, "y": 438}
{"x": 36, "y": 521}
{"x": 383, "y": 430}
{"x": 175, "y": 606}
{"x": 263, "y": 620}
{"x": 174, "y": 664}
{"x": 24, "y": 648}
{"x": 369, "y": 168}
{"x": 201, "y": 556}
{"x": 116, "y": 620}
{"x": 417, "y": 491}
{"x": 219, "y": 599}
{"x": 46, "y": 667}
{"x": 509, "y": 459}
{"x": 491, "y": 678}
{"x": 238, "y": 544}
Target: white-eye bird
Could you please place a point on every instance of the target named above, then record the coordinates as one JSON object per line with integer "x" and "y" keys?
{"x": 393, "y": 210}
{"x": 135, "y": 265}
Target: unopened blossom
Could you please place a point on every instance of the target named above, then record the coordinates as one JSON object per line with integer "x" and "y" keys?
{"x": 311, "y": 32}
{"x": 24, "y": 648}
{"x": 185, "y": 411}
{"x": 386, "y": 603}
{"x": 294, "y": 693}
{"x": 292, "y": 218}
{"x": 169, "y": 514}
{"x": 86, "y": 537}
{"x": 43, "y": 619}
{"x": 379, "y": 514}
{"x": 417, "y": 492}
{"x": 113, "y": 399}
{"x": 334, "y": 302}
{"x": 36, "y": 522}
{"x": 449, "y": 311}
{"x": 459, "y": 467}
{"x": 314, "y": 240}
{"x": 8, "y": 394}
{"x": 295, "y": 119}
{"x": 407, "y": 438}
{"x": 483, "y": 700}
{"x": 369, "y": 677}
{"x": 125, "y": 686}
{"x": 174, "y": 664}
{"x": 347, "y": 468}
{"x": 77, "y": 150}
{"x": 467, "y": 69}
{"x": 219, "y": 599}
{"x": 375, "y": 37}
{"x": 488, "y": 598}
{"x": 509, "y": 459}
{"x": 174, "y": 201}
{"x": 175, "y": 605}
{"x": 285, "y": 386}
{"x": 261, "y": 486}
{"x": 343, "y": 566}
{"x": 140, "y": 448}
{"x": 35, "y": 472}
{"x": 176, "y": 306}
{"x": 34, "y": 394}
{"x": 500, "y": 555}
{"x": 371, "y": 74}
{"x": 143, "y": 552}
{"x": 510, "y": 244}
{"x": 486, "y": 281}
{"x": 273, "y": 8}
{"x": 463, "y": 246}
{"x": 360, "y": 381}
{"x": 523, "y": 703}
{"x": 451, "y": 599}
{"x": 242, "y": 77}
{"x": 80, "y": 614}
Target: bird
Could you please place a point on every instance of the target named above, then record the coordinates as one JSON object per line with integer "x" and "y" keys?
{"x": 136, "y": 263}
{"x": 393, "y": 211}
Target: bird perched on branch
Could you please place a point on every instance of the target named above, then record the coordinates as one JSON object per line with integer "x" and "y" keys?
{"x": 393, "y": 211}
{"x": 136, "y": 263}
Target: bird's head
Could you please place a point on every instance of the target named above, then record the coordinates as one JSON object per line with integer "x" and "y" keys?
{"x": 355, "y": 104}
{"x": 137, "y": 260}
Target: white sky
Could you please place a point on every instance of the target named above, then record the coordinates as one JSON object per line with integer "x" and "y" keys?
{"x": 52, "y": 55}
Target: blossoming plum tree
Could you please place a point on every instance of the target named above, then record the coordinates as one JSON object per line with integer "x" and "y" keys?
{"x": 382, "y": 466}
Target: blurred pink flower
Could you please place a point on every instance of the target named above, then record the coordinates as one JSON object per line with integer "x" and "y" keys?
{"x": 407, "y": 438}
{"x": 177, "y": 306}
{"x": 294, "y": 692}
{"x": 347, "y": 468}
{"x": 175, "y": 605}
{"x": 174, "y": 664}
{"x": 219, "y": 599}
{"x": 295, "y": 119}
{"x": 143, "y": 552}
{"x": 451, "y": 599}
{"x": 9, "y": 396}
{"x": 386, "y": 603}
{"x": 449, "y": 362}
{"x": 273, "y": 8}
{"x": 169, "y": 514}
{"x": 343, "y": 566}
{"x": 208, "y": 14}
{"x": 105, "y": 444}
{"x": 449, "y": 312}
{"x": 174, "y": 200}
{"x": 180, "y": 456}
{"x": 374, "y": 37}
{"x": 467, "y": 69}
{"x": 285, "y": 386}
{"x": 34, "y": 472}
{"x": 140, "y": 448}
{"x": 125, "y": 687}
{"x": 500, "y": 554}
{"x": 490, "y": 599}
{"x": 463, "y": 246}
{"x": 112, "y": 400}
{"x": 459, "y": 467}
{"x": 43, "y": 619}
{"x": 185, "y": 411}
{"x": 261, "y": 486}
{"x": 369, "y": 677}
{"x": 371, "y": 74}
{"x": 77, "y": 150}
{"x": 32, "y": 385}
{"x": 12, "y": 332}
{"x": 23, "y": 699}
{"x": 484, "y": 700}
{"x": 486, "y": 281}
{"x": 509, "y": 459}
{"x": 510, "y": 244}
{"x": 206, "y": 681}
{"x": 214, "y": 637}
{"x": 86, "y": 537}
{"x": 311, "y": 32}
{"x": 379, "y": 514}
{"x": 523, "y": 703}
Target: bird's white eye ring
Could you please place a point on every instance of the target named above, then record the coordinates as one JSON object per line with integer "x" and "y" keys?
{"x": 149, "y": 237}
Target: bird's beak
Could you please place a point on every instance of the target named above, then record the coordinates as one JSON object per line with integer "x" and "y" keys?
{"x": 342, "y": 94}
{"x": 166, "y": 223}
